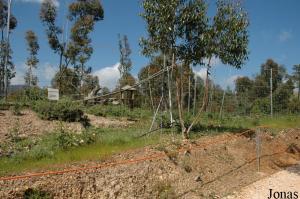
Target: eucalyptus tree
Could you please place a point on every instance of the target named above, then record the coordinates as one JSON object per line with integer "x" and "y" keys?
{"x": 83, "y": 15}
{"x": 5, "y": 50}
{"x": 125, "y": 61}
{"x": 226, "y": 39}
{"x": 48, "y": 15}
{"x": 296, "y": 77}
{"x": 182, "y": 27}
{"x": 32, "y": 60}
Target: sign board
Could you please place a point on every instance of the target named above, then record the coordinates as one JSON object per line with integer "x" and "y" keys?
{"x": 53, "y": 94}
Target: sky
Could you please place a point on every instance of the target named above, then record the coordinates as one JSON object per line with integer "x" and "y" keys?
{"x": 274, "y": 33}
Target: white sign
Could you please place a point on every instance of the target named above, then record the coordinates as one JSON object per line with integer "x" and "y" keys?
{"x": 53, "y": 94}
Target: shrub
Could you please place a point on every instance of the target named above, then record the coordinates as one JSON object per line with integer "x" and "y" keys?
{"x": 63, "y": 110}
{"x": 4, "y": 105}
{"x": 68, "y": 139}
{"x": 28, "y": 95}
{"x": 117, "y": 111}
{"x": 261, "y": 106}
{"x": 16, "y": 109}
{"x": 36, "y": 194}
{"x": 164, "y": 190}
{"x": 294, "y": 105}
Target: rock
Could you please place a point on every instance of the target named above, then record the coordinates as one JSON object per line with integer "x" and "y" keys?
{"x": 187, "y": 153}
{"x": 198, "y": 179}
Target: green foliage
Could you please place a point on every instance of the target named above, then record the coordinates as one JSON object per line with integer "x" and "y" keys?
{"x": 4, "y": 105}
{"x": 28, "y": 95}
{"x": 36, "y": 194}
{"x": 5, "y": 48}
{"x": 296, "y": 77}
{"x": 63, "y": 110}
{"x": 67, "y": 139}
{"x": 16, "y": 109}
{"x": 32, "y": 60}
{"x": 67, "y": 80}
{"x": 261, "y": 106}
{"x": 294, "y": 105}
{"x": 164, "y": 190}
{"x": 118, "y": 111}
{"x": 125, "y": 61}
{"x": 83, "y": 15}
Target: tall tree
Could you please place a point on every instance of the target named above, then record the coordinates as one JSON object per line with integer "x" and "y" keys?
{"x": 181, "y": 26}
{"x": 296, "y": 77}
{"x": 71, "y": 81}
{"x": 278, "y": 72}
{"x": 48, "y": 14}
{"x": 125, "y": 61}
{"x": 5, "y": 50}
{"x": 77, "y": 51}
{"x": 226, "y": 39}
{"x": 32, "y": 60}
{"x": 84, "y": 14}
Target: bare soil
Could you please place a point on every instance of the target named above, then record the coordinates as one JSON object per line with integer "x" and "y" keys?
{"x": 29, "y": 124}
{"x": 214, "y": 167}
{"x": 286, "y": 181}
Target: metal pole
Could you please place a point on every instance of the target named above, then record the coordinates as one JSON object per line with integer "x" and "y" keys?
{"x": 195, "y": 90}
{"x": 169, "y": 88}
{"x": 271, "y": 90}
{"x": 258, "y": 148}
{"x": 189, "y": 95}
{"x": 221, "y": 109}
{"x": 7, "y": 49}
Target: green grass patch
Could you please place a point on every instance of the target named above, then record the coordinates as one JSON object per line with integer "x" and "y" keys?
{"x": 64, "y": 147}
{"x": 118, "y": 111}
{"x": 48, "y": 153}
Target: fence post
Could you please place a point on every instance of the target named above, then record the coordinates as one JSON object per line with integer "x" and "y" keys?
{"x": 258, "y": 147}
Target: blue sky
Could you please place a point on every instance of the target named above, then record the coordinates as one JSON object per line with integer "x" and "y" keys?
{"x": 274, "y": 29}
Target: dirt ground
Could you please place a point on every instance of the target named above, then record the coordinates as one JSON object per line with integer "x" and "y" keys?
{"x": 29, "y": 124}
{"x": 213, "y": 167}
{"x": 286, "y": 181}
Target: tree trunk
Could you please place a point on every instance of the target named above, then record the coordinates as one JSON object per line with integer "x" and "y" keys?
{"x": 204, "y": 102}
{"x": 189, "y": 89}
{"x": 150, "y": 91}
{"x": 178, "y": 99}
{"x": 299, "y": 89}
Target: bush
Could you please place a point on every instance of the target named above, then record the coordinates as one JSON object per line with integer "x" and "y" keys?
{"x": 294, "y": 105}
{"x": 68, "y": 139}
{"x": 36, "y": 194}
{"x": 261, "y": 106}
{"x": 4, "y": 105}
{"x": 28, "y": 94}
{"x": 16, "y": 109}
{"x": 63, "y": 110}
{"x": 117, "y": 111}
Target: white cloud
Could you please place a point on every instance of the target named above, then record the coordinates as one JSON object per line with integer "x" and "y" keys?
{"x": 285, "y": 35}
{"x": 45, "y": 73}
{"x": 231, "y": 81}
{"x": 108, "y": 76}
{"x": 18, "y": 79}
{"x": 20, "y": 72}
{"x": 56, "y": 3}
{"x": 201, "y": 73}
{"x": 213, "y": 62}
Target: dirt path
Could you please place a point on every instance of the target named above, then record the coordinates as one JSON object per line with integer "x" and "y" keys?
{"x": 284, "y": 181}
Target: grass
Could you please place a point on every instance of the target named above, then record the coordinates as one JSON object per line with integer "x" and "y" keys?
{"x": 61, "y": 148}
{"x": 46, "y": 153}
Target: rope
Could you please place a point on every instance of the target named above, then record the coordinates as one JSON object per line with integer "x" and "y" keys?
{"x": 135, "y": 85}
{"x": 113, "y": 164}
